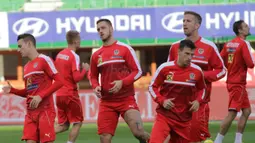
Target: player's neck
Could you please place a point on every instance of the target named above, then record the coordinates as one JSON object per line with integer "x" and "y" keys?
{"x": 180, "y": 64}
{"x": 33, "y": 55}
{"x": 242, "y": 37}
{"x": 72, "y": 48}
{"x": 109, "y": 42}
{"x": 194, "y": 37}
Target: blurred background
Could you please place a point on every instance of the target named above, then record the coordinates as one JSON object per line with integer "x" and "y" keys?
{"x": 149, "y": 26}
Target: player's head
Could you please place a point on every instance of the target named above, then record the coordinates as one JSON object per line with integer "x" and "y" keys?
{"x": 241, "y": 28}
{"x": 26, "y": 42}
{"x": 104, "y": 29}
{"x": 186, "y": 52}
{"x": 73, "y": 39}
{"x": 191, "y": 22}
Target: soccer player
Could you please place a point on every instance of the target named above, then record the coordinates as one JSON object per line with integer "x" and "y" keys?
{"x": 67, "y": 98}
{"x": 174, "y": 87}
{"x": 238, "y": 58}
{"x": 39, "y": 74}
{"x": 119, "y": 68}
{"x": 207, "y": 57}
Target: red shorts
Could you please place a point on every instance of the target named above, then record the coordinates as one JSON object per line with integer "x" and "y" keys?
{"x": 179, "y": 131}
{"x": 69, "y": 109}
{"x": 39, "y": 126}
{"x": 238, "y": 97}
{"x": 109, "y": 112}
{"x": 200, "y": 124}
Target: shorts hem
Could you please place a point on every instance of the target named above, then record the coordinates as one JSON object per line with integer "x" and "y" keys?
{"x": 105, "y": 133}
{"x": 74, "y": 122}
{"x": 233, "y": 109}
{"x": 62, "y": 123}
{"x": 25, "y": 139}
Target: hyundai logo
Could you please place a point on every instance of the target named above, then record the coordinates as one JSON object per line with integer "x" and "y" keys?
{"x": 173, "y": 22}
{"x": 35, "y": 26}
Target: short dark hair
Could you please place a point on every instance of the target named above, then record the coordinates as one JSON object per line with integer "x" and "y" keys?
{"x": 27, "y": 37}
{"x": 72, "y": 35}
{"x": 237, "y": 25}
{"x": 105, "y": 20}
{"x": 197, "y": 16}
{"x": 187, "y": 44}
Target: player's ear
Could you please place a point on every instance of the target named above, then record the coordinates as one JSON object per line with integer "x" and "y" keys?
{"x": 197, "y": 25}
{"x": 240, "y": 30}
{"x": 179, "y": 51}
{"x": 28, "y": 44}
{"x": 111, "y": 28}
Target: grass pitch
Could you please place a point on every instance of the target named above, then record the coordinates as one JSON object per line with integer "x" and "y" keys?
{"x": 12, "y": 134}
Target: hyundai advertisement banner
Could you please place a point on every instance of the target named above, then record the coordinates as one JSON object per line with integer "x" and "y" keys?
{"x": 129, "y": 23}
{"x": 4, "y": 34}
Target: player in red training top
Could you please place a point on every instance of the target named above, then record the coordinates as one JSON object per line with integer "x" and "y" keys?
{"x": 67, "y": 100}
{"x": 174, "y": 87}
{"x": 207, "y": 57}
{"x": 119, "y": 68}
{"x": 237, "y": 57}
{"x": 39, "y": 74}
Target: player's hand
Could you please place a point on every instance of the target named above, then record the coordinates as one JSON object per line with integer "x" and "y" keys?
{"x": 168, "y": 104}
{"x": 97, "y": 91}
{"x": 85, "y": 66}
{"x": 194, "y": 106}
{"x": 167, "y": 139}
{"x": 35, "y": 101}
{"x": 117, "y": 86}
{"x": 7, "y": 89}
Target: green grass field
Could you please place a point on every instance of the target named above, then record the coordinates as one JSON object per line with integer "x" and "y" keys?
{"x": 12, "y": 134}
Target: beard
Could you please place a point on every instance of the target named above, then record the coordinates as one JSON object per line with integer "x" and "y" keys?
{"x": 187, "y": 34}
{"x": 106, "y": 38}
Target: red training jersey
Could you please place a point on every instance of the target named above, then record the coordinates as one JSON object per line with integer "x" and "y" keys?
{"x": 181, "y": 83}
{"x": 208, "y": 58}
{"x": 237, "y": 57}
{"x": 38, "y": 77}
{"x": 68, "y": 65}
{"x": 115, "y": 62}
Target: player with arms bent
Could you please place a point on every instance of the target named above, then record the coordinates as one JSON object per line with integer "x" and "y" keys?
{"x": 119, "y": 68}
{"x": 238, "y": 58}
{"x": 67, "y": 100}
{"x": 39, "y": 74}
{"x": 174, "y": 87}
{"x": 207, "y": 57}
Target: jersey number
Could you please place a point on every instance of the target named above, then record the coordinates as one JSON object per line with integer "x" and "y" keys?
{"x": 230, "y": 58}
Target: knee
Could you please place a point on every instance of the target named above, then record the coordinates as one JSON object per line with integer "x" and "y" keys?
{"x": 77, "y": 125}
{"x": 66, "y": 127}
{"x": 140, "y": 134}
{"x": 232, "y": 115}
{"x": 246, "y": 113}
{"x": 105, "y": 137}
